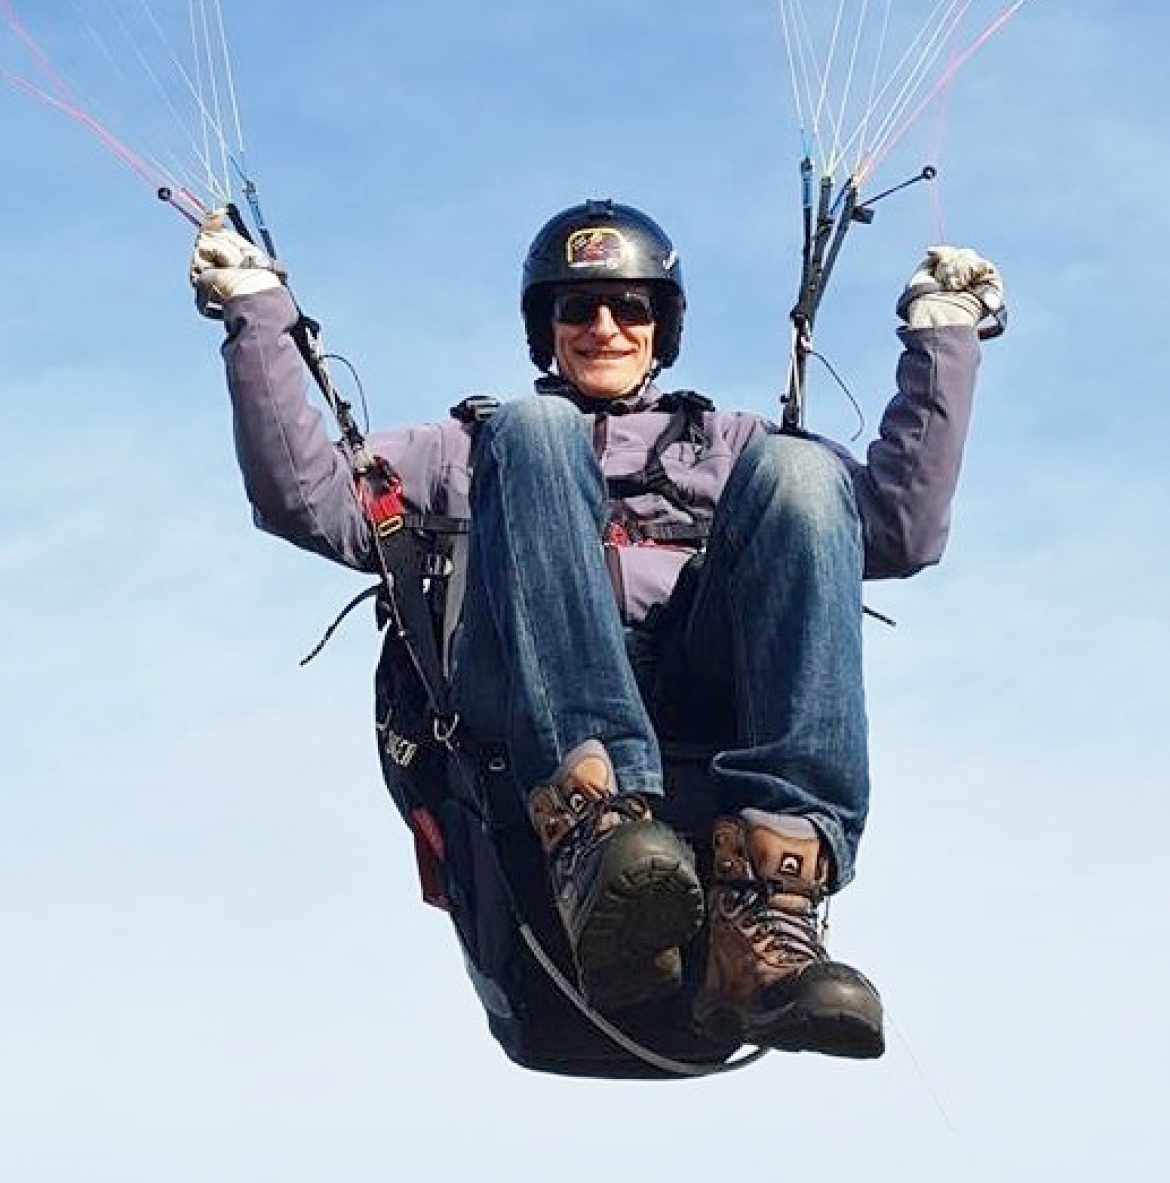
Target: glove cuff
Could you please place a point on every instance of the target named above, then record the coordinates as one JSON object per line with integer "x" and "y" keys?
{"x": 942, "y": 309}
{"x": 214, "y": 288}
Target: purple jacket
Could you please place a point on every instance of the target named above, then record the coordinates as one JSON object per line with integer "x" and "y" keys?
{"x": 300, "y": 486}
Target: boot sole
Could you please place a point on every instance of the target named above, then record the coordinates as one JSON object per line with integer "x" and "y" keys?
{"x": 828, "y": 1033}
{"x": 649, "y": 903}
{"x": 835, "y": 1012}
{"x": 633, "y": 983}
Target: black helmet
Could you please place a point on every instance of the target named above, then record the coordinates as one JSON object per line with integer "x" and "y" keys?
{"x": 601, "y": 240}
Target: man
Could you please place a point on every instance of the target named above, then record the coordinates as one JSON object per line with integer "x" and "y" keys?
{"x": 643, "y": 567}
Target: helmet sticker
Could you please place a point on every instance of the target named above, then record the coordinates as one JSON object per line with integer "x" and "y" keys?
{"x": 596, "y": 246}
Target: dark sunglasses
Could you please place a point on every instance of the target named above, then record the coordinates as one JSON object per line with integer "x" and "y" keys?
{"x": 579, "y": 308}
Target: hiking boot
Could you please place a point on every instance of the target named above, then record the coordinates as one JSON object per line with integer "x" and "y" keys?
{"x": 769, "y": 980}
{"x": 624, "y": 884}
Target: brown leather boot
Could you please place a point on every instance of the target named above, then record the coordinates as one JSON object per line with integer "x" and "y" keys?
{"x": 624, "y": 884}
{"x": 769, "y": 980}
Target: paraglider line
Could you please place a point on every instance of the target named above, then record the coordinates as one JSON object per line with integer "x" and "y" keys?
{"x": 44, "y": 63}
{"x": 944, "y": 80}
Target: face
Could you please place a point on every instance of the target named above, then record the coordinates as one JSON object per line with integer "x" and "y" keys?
{"x": 608, "y": 355}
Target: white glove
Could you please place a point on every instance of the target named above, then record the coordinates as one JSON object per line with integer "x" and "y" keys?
{"x": 225, "y": 264}
{"x": 954, "y": 286}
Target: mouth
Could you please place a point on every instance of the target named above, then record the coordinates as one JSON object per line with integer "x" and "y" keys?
{"x": 604, "y": 355}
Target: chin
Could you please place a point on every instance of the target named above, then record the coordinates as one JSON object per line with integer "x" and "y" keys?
{"x": 608, "y": 391}
{"x": 609, "y": 386}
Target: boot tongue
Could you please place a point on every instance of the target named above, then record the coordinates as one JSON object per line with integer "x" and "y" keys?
{"x": 592, "y": 777}
{"x": 780, "y": 844}
{"x": 584, "y": 778}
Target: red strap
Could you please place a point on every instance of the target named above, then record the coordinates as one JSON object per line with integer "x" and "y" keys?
{"x": 428, "y": 854}
{"x": 619, "y": 534}
{"x": 381, "y": 497}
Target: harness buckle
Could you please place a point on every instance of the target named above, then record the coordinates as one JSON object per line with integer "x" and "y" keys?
{"x": 475, "y": 408}
{"x": 444, "y": 730}
{"x": 436, "y": 565}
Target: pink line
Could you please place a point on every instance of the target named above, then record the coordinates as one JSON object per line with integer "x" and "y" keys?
{"x": 127, "y": 155}
{"x": 65, "y": 101}
{"x": 943, "y": 81}
{"x": 936, "y": 157}
{"x": 193, "y": 201}
{"x": 44, "y": 63}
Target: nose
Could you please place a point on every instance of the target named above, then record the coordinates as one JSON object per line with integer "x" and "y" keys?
{"x": 603, "y": 323}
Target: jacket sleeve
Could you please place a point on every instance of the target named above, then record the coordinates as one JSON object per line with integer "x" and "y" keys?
{"x": 297, "y": 480}
{"x": 905, "y": 488}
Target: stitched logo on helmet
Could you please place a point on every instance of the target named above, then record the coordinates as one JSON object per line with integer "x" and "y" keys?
{"x": 598, "y": 246}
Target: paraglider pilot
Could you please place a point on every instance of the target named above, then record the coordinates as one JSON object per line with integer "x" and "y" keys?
{"x": 642, "y": 565}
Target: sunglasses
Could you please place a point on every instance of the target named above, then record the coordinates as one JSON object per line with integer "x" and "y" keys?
{"x": 627, "y": 308}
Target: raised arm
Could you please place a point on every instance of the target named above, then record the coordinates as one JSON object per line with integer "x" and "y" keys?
{"x": 298, "y": 481}
{"x": 905, "y": 488}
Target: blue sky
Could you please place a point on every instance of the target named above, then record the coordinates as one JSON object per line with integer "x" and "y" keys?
{"x": 214, "y": 964}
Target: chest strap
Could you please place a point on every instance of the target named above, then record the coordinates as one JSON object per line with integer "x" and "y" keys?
{"x": 686, "y": 408}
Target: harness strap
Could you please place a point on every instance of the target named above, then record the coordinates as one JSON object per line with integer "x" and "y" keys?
{"x": 624, "y": 531}
{"x": 686, "y": 408}
{"x": 453, "y": 592}
{"x": 402, "y": 565}
{"x": 436, "y": 522}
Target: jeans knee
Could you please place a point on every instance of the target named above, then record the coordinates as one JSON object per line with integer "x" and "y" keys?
{"x": 536, "y": 441}
{"x": 802, "y": 479}
{"x": 533, "y": 421}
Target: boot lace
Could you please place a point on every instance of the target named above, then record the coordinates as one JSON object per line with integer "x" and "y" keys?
{"x": 599, "y": 817}
{"x": 786, "y": 931}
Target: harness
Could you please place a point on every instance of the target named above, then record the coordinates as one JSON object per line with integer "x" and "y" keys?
{"x": 477, "y": 857}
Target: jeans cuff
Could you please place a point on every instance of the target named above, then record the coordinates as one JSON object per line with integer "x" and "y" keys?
{"x": 649, "y": 784}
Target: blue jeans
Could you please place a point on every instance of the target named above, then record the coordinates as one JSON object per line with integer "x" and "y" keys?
{"x": 767, "y": 631}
